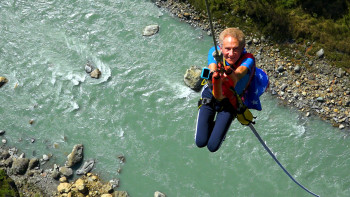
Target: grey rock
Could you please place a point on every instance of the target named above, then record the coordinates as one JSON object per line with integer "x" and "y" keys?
{"x": 20, "y": 165}
{"x": 283, "y": 87}
{"x": 114, "y": 183}
{"x": 89, "y": 67}
{"x": 341, "y": 126}
{"x": 67, "y": 172}
{"x": 280, "y": 69}
{"x": 2, "y": 132}
{"x": 256, "y": 41}
{"x": 192, "y": 78}
{"x": 150, "y": 30}
{"x": 310, "y": 63}
{"x": 46, "y": 158}
{"x": 75, "y": 156}
{"x": 158, "y": 194}
{"x": 320, "y": 53}
{"x": 4, "y": 154}
{"x": 55, "y": 174}
{"x": 320, "y": 99}
{"x": 297, "y": 69}
{"x": 34, "y": 162}
{"x": 87, "y": 167}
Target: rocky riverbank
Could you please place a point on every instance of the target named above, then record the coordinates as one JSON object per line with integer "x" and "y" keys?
{"x": 308, "y": 83}
{"x": 21, "y": 176}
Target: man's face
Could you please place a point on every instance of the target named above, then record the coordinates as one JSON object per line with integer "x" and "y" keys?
{"x": 231, "y": 49}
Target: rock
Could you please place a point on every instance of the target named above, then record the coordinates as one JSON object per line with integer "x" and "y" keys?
{"x": 3, "y": 80}
{"x": 320, "y": 53}
{"x": 4, "y": 154}
{"x": 320, "y": 99}
{"x": 192, "y": 78}
{"x": 120, "y": 194}
{"x": 340, "y": 73}
{"x": 68, "y": 172}
{"x": 63, "y": 179}
{"x": 46, "y": 157}
{"x": 95, "y": 73}
{"x": 80, "y": 185}
{"x": 341, "y": 126}
{"x": 297, "y": 69}
{"x": 2, "y": 132}
{"x": 20, "y": 165}
{"x": 34, "y": 162}
{"x": 280, "y": 69}
{"x": 63, "y": 188}
{"x": 87, "y": 167}
{"x": 75, "y": 156}
{"x": 158, "y": 194}
{"x": 4, "y": 141}
{"x": 106, "y": 195}
{"x": 89, "y": 67}
{"x": 150, "y": 30}
{"x": 310, "y": 63}
{"x": 114, "y": 183}
{"x": 55, "y": 174}
{"x": 283, "y": 87}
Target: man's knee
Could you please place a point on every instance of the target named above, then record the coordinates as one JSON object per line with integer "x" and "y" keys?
{"x": 201, "y": 143}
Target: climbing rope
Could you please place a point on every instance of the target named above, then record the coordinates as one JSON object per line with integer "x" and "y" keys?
{"x": 274, "y": 157}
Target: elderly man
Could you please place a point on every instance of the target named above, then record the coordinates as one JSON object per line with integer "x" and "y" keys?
{"x": 217, "y": 99}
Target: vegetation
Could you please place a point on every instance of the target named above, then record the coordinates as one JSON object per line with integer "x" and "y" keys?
{"x": 7, "y": 185}
{"x": 323, "y": 23}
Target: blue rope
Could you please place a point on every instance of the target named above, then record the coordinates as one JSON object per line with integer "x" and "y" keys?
{"x": 274, "y": 157}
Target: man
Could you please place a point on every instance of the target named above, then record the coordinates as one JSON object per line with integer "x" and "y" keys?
{"x": 217, "y": 99}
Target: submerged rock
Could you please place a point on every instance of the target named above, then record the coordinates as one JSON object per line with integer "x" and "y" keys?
{"x": 150, "y": 30}
{"x": 3, "y": 80}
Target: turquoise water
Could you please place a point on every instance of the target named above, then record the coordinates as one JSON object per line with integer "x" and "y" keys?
{"x": 140, "y": 107}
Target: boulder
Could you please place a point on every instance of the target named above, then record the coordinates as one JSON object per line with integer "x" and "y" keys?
{"x": 3, "y": 80}
{"x": 158, "y": 194}
{"x": 320, "y": 53}
{"x": 150, "y": 30}
{"x": 20, "y": 165}
{"x": 297, "y": 69}
{"x": 95, "y": 73}
{"x": 87, "y": 167}
{"x": 75, "y": 156}
{"x": 4, "y": 154}
{"x": 34, "y": 162}
{"x": 192, "y": 78}
{"x": 67, "y": 172}
{"x": 63, "y": 188}
{"x": 89, "y": 67}
{"x": 120, "y": 194}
